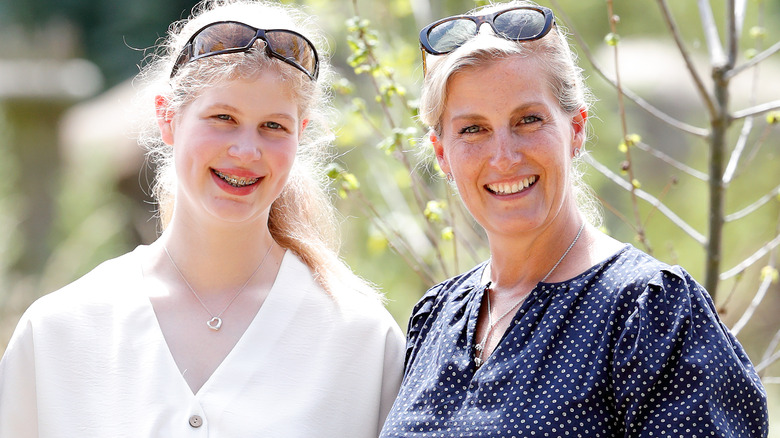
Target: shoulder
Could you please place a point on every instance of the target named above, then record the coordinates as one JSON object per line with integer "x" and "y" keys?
{"x": 640, "y": 286}
{"x": 453, "y": 291}
{"x": 453, "y": 288}
{"x": 345, "y": 302}
{"x": 99, "y": 287}
{"x": 632, "y": 272}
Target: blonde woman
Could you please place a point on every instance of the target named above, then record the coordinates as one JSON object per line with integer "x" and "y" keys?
{"x": 564, "y": 331}
{"x": 240, "y": 320}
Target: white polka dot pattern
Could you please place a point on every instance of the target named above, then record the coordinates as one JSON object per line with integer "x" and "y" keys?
{"x": 630, "y": 348}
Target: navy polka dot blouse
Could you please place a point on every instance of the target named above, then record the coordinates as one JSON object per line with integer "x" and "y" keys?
{"x": 630, "y": 348}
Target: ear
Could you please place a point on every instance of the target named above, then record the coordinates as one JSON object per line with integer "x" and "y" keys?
{"x": 164, "y": 118}
{"x": 304, "y": 124}
{"x": 579, "y": 128}
{"x": 438, "y": 150}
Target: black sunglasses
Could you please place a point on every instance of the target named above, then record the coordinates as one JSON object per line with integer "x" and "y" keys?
{"x": 522, "y": 23}
{"x": 223, "y": 37}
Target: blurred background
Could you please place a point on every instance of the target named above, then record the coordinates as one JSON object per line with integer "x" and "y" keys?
{"x": 75, "y": 190}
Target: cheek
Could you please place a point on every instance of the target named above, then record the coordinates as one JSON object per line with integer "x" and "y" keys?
{"x": 464, "y": 159}
{"x": 284, "y": 156}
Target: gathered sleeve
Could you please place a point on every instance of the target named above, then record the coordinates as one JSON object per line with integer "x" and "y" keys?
{"x": 418, "y": 322}
{"x": 18, "y": 401}
{"x": 677, "y": 370}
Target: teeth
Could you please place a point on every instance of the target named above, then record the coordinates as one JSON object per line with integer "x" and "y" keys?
{"x": 236, "y": 181}
{"x": 515, "y": 187}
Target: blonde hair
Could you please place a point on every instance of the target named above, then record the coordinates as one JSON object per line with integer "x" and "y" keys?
{"x": 302, "y": 219}
{"x": 564, "y": 77}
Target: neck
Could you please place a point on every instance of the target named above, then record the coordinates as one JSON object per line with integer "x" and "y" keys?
{"x": 521, "y": 263}
{"x": 217, "y": 261}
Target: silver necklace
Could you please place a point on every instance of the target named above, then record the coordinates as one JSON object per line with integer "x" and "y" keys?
{"x": 215, "y": 323}
{"x": 480, "y": 347}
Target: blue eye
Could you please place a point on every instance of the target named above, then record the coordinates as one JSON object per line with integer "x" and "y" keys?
{"x": 530, "y": 119}
{"x": 473, "y": 129}
{"x": 274, "y": 125}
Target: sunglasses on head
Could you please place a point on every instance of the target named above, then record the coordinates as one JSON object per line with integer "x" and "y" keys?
{"x": 521, "y": 23}
{"x": 224, "y": 37}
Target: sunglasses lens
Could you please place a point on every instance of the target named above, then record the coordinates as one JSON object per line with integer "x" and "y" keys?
{"x": 520, "y": 24}
{"x": 222, "y": 36}
{"x": 231, "y": 37}
{"x": 451, "y": 34}
{"x": 293, "y": 48}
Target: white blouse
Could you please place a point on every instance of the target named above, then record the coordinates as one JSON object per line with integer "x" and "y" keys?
{"x": 90, "y": 360}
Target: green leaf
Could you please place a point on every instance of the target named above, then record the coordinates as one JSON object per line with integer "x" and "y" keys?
{"x": 333, "y": 170}
{"x": 434, "y": 211}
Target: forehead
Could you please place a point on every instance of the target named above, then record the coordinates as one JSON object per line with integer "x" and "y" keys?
{"x": 264, "y": 91}
{"x": 499, "y": 82}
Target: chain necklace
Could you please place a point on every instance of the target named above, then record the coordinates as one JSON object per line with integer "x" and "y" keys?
{"x": 215, "y": 323}
{"x": 480, "y": 347}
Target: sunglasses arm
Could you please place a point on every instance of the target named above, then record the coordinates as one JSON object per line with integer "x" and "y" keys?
{"x": 424, "y": 66}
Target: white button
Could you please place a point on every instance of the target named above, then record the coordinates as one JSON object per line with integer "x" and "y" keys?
{"x": 196, "y": 421}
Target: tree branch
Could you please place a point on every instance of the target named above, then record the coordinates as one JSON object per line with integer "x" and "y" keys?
{"x": 756, "y": 110}
{"x": 760, "y": 294}
{"x": 771, "y": 347}
{"x": 754, "y": 206}
{"x": 695, "y": 235}
{"x": 641, "y": 103}
{"x": 756, "y": 256}
{"x": 672, "y": 162}
{"x": 717, "y": 56}
{"x": 767, "y": 362}
{"x": 732, "y": 33}
{"x": 672, "y": 25}
{"x": 754, "y": 61}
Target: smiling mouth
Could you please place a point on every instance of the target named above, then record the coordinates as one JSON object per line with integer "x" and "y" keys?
{"x": 235, "y": 181}
{"x": 511, "y": 188}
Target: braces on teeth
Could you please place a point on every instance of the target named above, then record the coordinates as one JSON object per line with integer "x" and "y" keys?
{"x": 236, "y": 182}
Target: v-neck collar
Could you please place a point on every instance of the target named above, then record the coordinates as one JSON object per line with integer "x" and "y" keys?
{"x": 255, "y": 346}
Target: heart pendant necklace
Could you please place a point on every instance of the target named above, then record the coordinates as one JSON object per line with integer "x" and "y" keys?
{"x": 215, "y": 323}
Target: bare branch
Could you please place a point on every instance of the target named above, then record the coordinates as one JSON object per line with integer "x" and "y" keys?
{"x": 754, "y": 206}
{"x": 732, "y": 32}
{"x": 717, "y": 56}
{"x": 640, "y": 229}
{"x": 767, "y": 362}
{"x": 772, "y": 346}
{"x": 648, "y": 198}
{"x": 641, "y": 103}
{"x": 747, "y": 127}
{"x": 655, "y": 112}
{"x": 672, "y": 162}
{"x": 739, "y": 15}
{"x": 756, "y": 256}
{"x": 756, "y": 110}
{"x": 399, "y": 244}
{"x": 754, "y": 61}
{"x": 760, "y": 294}
{"x": 687, "y": 58}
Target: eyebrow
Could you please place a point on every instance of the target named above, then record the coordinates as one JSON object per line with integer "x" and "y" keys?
{"x": 231, "y": 108}
{"x": 519, "y": 108}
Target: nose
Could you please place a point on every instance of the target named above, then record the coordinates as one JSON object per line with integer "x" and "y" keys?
{"x": 506, "y": 151}
{"x": 246, "y": 147}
